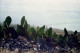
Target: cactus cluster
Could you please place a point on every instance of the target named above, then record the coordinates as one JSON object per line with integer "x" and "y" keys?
{"x": 72, "y": 39}
{"x": 51, "y": 39}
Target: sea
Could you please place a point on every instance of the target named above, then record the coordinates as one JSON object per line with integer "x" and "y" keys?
{"x": 50, "y": 18}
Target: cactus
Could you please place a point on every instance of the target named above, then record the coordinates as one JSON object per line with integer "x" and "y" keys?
{"x": 75, "y": 32}
{"x": 72, "y": 40}
{"x": 40, "y": 32}
{"x": 66, "y": 33}
{"x": 23, "y": 21}
{"x": 50, "y": 32}
{"x": 1, "y": 32}
{"x": 12, "y": 33}
{"x": 22, "y": 29}
{"x": 8, "y": 20}
{"x": 33, "y": 33}
{"x": 26, "y": 25}
{"x": 0, "y": 28}
{"x": 6, "y": 25}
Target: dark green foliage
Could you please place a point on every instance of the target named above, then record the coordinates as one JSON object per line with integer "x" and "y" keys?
{"x": 40, "y": 32}
{"x": 12, "y": 33}
{"x": 61, "y": 41}
{"x": 54, "y": 35}
{"x": 23, "y": 21}
{"x": 7, "y": 30}
{"x": 33, "y": 33}
{"x": 26, "y": 25}
{"x": 1, "y": 32}
{"x": 66, "y": 32}
{"x": 58, "y": 38}
{"x": 32, "y": 29}
{"x": 8, "y": 20}
{"x": 50, "y": 32}
{"x": 26, "y": 28}
{"x": 75, "y": 32}
{"x": 23, "y": 28}
{"x": 20, "y": 30}
{"x": 72, "y": 40}
{"x": 0, "y": 28}
{"x": 6, "y": 25}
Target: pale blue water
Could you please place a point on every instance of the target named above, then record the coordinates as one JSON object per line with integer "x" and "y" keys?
{"x": 69, "y": 26}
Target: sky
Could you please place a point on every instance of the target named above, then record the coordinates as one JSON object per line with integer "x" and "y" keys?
{"x": 53, "y": 13}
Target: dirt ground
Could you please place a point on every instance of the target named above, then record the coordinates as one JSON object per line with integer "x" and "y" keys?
{"x": 31, "y": 51}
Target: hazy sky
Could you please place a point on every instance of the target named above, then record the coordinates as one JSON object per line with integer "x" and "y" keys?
{"x": 42, "y": 12}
